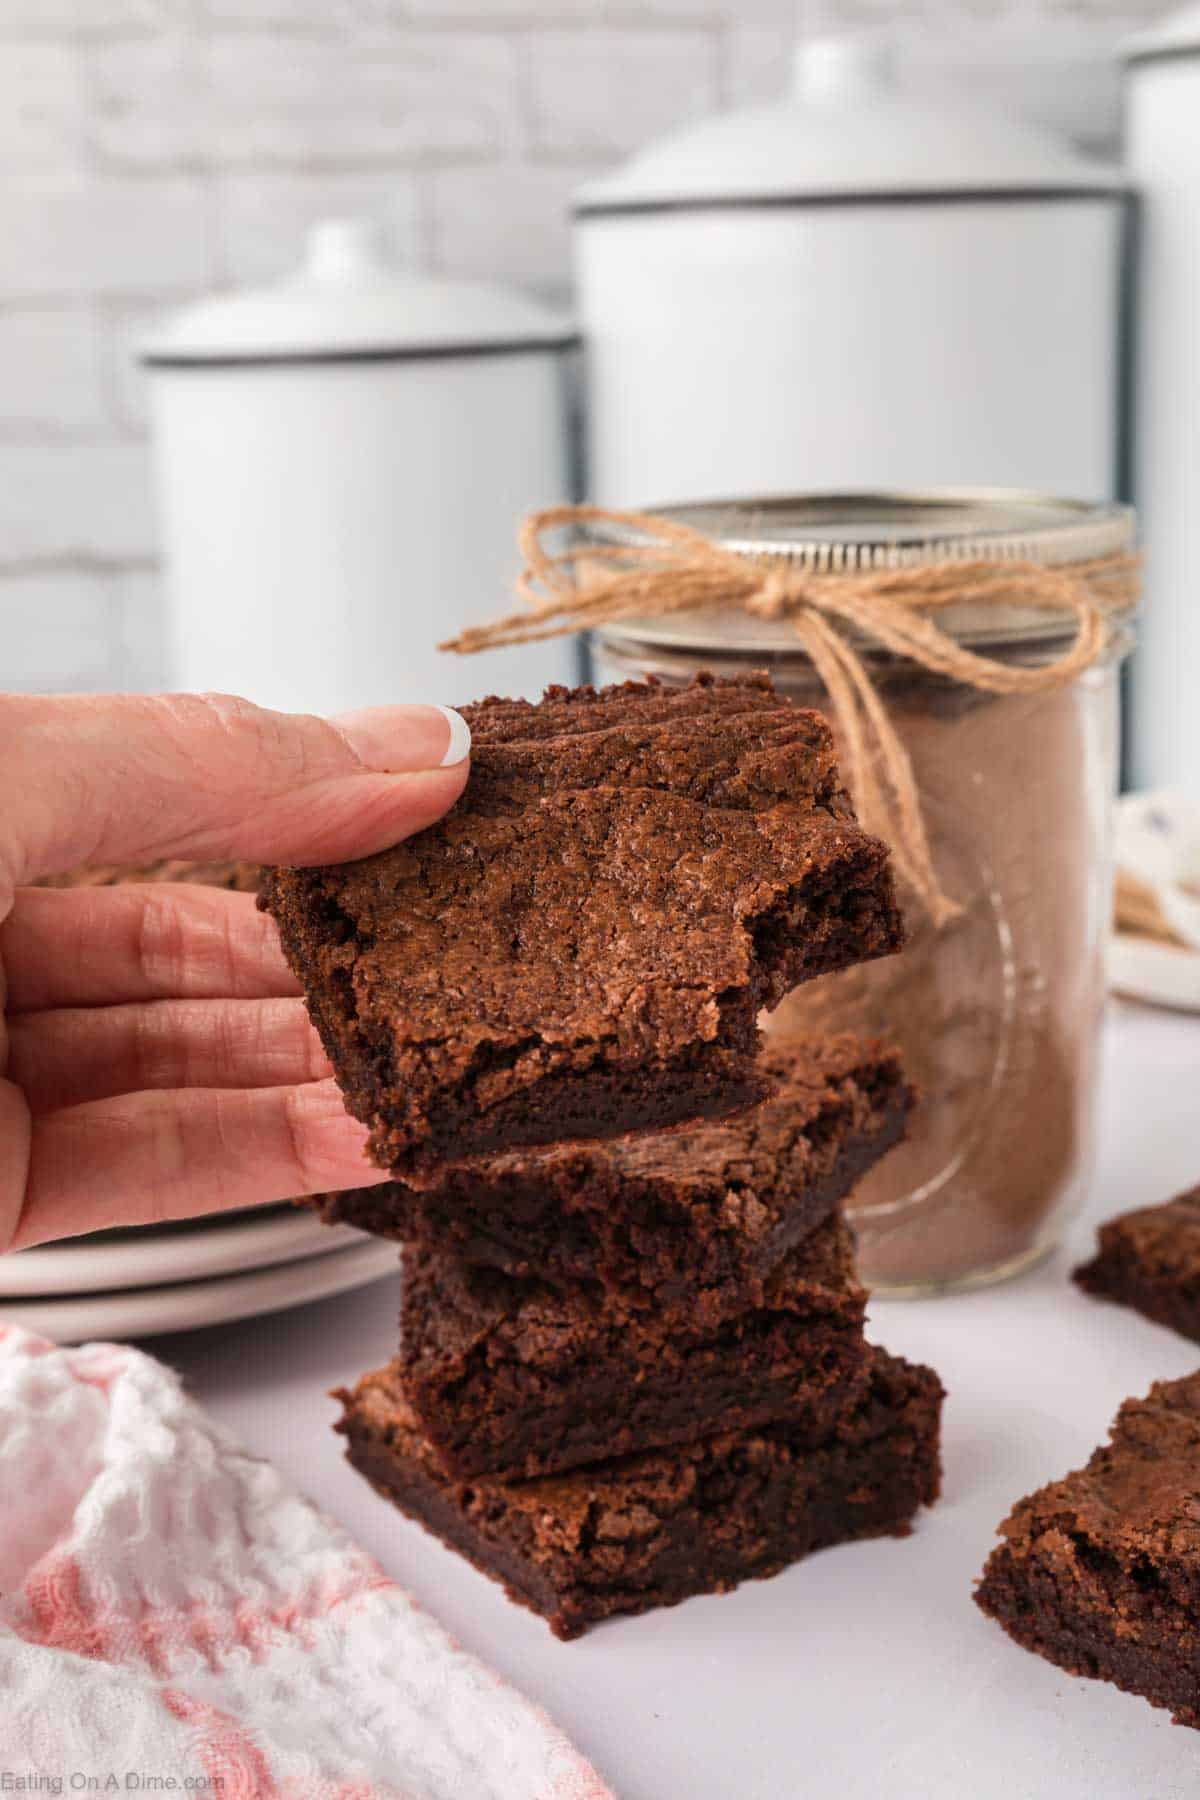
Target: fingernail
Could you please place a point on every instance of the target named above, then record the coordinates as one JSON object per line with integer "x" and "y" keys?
{"x": 459, "y": 746}
{"x": 399, "y": 740}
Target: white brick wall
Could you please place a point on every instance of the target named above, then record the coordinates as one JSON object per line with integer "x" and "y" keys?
{"x": 41, "y": 121}
{"x": 81, "y": 503}
{"x": 263, "y": 216}
{"x": 604, "y": 90}
{"x": 51, "y": 386}
{"x": 252, "y": 97}
{"x": 508, "y": 220}
{"x": 61, "y": 632}
{"x": 151, "y": 150}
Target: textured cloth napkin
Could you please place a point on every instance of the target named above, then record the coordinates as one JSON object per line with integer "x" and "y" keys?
{"x": 169, "y": 1607}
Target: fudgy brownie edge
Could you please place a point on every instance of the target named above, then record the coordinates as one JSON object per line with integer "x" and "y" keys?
{"x": 1099, "y": 1572}
{"x": 510, "y": 1377}
{"x": 650, "y": 1530}
{"x": 694, "y": 1221}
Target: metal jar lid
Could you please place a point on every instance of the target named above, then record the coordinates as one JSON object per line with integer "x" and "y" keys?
{"x": 844, "y": 533}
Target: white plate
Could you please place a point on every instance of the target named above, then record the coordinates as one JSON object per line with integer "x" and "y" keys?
{"x": 144, "y": 1312}
{"x": 1157, "y": 841}
{"x": 219, "y": 1245}
{"x": 1163, "y": 974}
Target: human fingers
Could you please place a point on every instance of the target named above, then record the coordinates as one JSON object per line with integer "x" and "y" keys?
{"x": 129, "y": 778}
{"x": 144, "y": 1158}
{"x": 105, "y": 945}
{"x": 75, "y": 1054}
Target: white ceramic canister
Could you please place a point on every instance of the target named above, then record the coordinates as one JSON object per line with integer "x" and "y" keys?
{"x": 342, "y": 461}
{"x": 1163, "y": 120}
{"x": 852, "y": 288}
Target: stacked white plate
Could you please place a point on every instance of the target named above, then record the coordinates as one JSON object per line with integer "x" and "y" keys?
{"x": 1157, "y": 841}
{"x": 150, "y": 1279}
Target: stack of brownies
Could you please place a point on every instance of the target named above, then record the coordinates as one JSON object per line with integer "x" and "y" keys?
{"x": 632, "y": 1364}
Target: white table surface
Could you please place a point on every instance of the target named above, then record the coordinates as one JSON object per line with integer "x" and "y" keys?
{"x": 865, "y": 1673}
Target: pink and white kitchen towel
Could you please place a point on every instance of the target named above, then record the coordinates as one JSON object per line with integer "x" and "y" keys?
{"x": 169, "y": 1607}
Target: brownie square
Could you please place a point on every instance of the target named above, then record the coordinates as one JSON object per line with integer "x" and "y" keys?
{"x": 1100, "y": 1572}
{"x": 1150, "y": 1260}
{"x": 693, "y": 1219}
{"x": 582, "y": 946}
{"x": 514, "y": 1378}
{"x": 648, "y": 1530}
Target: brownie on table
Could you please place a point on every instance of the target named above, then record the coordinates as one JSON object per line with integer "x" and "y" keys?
{"x": 1150, "y": 1260}
{"x": 581, "y": 947}
{"x": 693, "y": 1219}
{"x": 648, "y": 1530}
{"x": 513, "y": 1378}
{"x": 1100, "y": 1572}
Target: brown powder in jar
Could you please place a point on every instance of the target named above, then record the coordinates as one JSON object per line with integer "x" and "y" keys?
{"x": 997, "y": 1013}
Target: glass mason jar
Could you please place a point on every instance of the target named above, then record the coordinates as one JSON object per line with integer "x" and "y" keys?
{"x": 998, "y": 1012}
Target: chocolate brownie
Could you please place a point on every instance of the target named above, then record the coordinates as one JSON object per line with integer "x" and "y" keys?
{"x": 1150, "y": 1260}
{"x": 692, "y": 1219}
{"x": 239, "y": 877}
{"x": 581, "y": 947}
{"x": 514, "y": 1378}
{"x": 649, "y": 1530}
{"x": 1100, "y": 1572}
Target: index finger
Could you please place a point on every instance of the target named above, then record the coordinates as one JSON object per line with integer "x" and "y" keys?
{"x": 106, "y": 945}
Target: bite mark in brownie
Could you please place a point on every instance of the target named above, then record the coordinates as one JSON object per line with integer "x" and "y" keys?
{"x": 1100, "y": 1572}
{"x": 692, "y": 1220}
{"x": 650, "y": 1530}
{"x": 1150, "y": 1260}
{"x": 517, "y": 1379}
{"x": 582, "y": 946}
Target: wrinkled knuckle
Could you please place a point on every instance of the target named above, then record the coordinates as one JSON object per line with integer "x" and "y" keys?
{"x": 187, "y": 717}
{"x": 142, "y": 1045}
{"x": 162, "y": 949}
{"x": 287, "y": 745}
{"x": 229, "y": 714}
{"x": 222, "y": 726}
{"x": 298, "y": 1144}
{"x": 16, "y": 1165}
{"x": 227, "y": 949}
{"x": 227, "y": 1039}
{"x": 318, "y": 1064}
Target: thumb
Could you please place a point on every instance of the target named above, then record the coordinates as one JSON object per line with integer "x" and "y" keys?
{"x": 125, "y": 778}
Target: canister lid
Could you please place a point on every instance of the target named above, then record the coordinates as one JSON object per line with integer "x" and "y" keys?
{"x": 849, "y": 133}
{"x": 1178, "y": 35}
{"x": 842, "y": 533}
{"x": 349, "y": 303}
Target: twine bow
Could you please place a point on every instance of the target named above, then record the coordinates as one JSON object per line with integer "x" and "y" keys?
{"x": 669, "y": 567}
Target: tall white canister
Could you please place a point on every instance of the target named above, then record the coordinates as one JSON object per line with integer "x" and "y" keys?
{"x": 342, "y": 462}
{"x": 853, "y": 288}
{"x": 1163, "y": 120}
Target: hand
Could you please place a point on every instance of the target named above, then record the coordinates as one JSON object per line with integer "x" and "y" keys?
{"x": 156, "y": 1060}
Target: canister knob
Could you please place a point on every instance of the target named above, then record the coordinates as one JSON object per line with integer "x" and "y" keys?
{"x": 857, "y": 65}
{"x": 342, "y": 250}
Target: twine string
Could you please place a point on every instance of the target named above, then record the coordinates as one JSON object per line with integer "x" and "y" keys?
{"x": 669, "y": 567}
